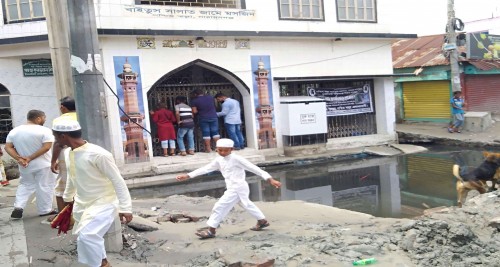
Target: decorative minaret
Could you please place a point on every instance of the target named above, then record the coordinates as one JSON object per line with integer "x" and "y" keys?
{"x": 265, "y": 110}
{"x": 135, "y": 147}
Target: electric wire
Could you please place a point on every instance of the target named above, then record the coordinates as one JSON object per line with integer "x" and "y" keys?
{"x": 121, "y": 109}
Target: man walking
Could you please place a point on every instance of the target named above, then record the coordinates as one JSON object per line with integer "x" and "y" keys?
{"x": 30, "y": 145}
{"x": 232, "y": 119}
{"x": 58, "y": 166}
{"x": 97, "y": 188}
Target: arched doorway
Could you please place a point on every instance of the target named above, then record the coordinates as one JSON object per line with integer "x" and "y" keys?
{"x": 5, "y": 113}
{"x": 197, "y": 74}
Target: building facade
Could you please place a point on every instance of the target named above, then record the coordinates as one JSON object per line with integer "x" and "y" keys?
{"x": 339, "y": 50}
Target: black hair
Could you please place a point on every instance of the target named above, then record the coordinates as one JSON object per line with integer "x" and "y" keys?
{"x": 219, "y": 95}
{"x": 457, "y": 92}
{"x": 181, "y": 99}
{"x": 34, "y": 113}
{"x": 197, "y": 92}
{"x": 72, "y": 134}
{"x": 68, "y": 102}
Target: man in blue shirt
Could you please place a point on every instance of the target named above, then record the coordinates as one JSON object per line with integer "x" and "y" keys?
{"x": 457, "y": 104}
{"x": 231, "y": 112}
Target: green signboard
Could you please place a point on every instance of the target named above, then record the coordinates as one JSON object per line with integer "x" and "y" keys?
{"x": 37, "y": 67}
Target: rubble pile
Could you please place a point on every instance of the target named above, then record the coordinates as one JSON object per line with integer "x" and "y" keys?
{"x": 454, "y": 237}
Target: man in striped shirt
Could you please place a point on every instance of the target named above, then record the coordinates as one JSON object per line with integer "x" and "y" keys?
{"x": 185, "y": 121}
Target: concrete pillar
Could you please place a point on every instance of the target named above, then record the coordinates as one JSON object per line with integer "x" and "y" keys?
{"x": 90, "y": 94}
{"x": 56, "y": 13}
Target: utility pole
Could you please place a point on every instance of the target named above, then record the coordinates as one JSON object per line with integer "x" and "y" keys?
{"x": 56, "y": 15}
{"x": 452, "y": 40}
{"x": 88, "y": 81}
{"x": 73, "y": 40}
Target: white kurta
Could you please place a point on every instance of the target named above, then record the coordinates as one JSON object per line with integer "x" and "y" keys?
{"x": 233, "y": 169}
{"x": 95, "y": 182}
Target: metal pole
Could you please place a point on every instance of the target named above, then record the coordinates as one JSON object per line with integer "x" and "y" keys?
{"x": 88, "y": 81}
{"x": 452, "y": 39}
{"x": 56, "y": 14}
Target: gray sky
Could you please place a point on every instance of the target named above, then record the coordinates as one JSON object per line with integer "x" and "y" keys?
{"x": 429, "y": 16}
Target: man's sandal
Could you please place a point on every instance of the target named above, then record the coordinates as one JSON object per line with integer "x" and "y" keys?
{"x": 205, "y": 234}
{"x": 52, "y": 212}
{"x": 260, "y": 226}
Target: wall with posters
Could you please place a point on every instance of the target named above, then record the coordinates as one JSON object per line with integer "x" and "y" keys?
{"x": 238, "y": 64}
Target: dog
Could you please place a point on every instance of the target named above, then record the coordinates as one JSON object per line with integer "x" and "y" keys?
{"x": 476, "y": 179}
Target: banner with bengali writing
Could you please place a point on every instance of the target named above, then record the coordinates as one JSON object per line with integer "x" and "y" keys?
{"x": 190, "y": 13}
{"x": 345, "y": 101}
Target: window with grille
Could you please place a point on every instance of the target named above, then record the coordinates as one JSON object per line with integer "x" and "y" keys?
{"x": 301, "y": 9}
{"x": 356, "y": 10}
{"x": 23, "y": 10}
{"x": 197, "y": 3}
{"x": 5, "y": 114}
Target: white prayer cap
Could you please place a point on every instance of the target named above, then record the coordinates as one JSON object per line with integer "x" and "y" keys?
{"x": 224, "y": 142}
{"x": 66, "y": 125}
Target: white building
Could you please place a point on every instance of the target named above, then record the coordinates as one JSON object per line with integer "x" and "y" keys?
{"x": 181, "y": 45}
{"x": 490, "y": 25}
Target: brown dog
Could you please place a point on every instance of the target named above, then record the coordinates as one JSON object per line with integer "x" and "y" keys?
{"x": 476, "y": 179}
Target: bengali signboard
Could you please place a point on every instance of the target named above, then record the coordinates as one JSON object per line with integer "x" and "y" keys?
{"x": 37, "y": 67}
{"x": 190, "y": 13}
{"x": 345, "y": 101}
{"x": 481, "y": 45}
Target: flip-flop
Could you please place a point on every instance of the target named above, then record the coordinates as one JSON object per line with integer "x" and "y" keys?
{"x": 205, "y": 234}
{"x": 260, "y": 226}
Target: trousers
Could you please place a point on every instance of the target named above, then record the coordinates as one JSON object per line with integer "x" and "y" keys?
{"x": 90, "y": 241}
{"x": 230, "y": 198}
{"x": 42, "y": 183}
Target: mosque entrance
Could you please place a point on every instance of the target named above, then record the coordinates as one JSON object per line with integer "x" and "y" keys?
{"x": 181, "y": 82}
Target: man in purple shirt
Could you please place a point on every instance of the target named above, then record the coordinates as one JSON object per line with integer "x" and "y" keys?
{"x": 204, "y": 107}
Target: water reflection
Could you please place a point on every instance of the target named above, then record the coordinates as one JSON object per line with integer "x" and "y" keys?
{"x": 400, "y": 186}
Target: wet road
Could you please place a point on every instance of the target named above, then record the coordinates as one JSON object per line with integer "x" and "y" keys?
{"x": 400, "y": 186}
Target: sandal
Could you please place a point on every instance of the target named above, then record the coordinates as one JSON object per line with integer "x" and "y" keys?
{"x": 52, "y": 212}
{"x": 260, "y": 226}
{"x": 205, "y": 234}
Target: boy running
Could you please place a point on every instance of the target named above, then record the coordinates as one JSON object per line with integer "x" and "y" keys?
{"x": 233, "y": 169}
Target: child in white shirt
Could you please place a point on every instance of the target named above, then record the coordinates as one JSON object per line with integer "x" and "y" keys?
{"x": 233, "y": 169}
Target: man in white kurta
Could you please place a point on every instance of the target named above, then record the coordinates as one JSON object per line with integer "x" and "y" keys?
{"x": 232, "y": 168}
{"x": 97, "y": 188}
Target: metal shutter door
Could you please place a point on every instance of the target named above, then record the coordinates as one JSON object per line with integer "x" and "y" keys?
{"x": 426, "y": 100}
{"x": 482, "y": 93}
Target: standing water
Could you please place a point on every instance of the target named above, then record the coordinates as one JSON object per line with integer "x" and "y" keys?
{"x": 401, "y": 186}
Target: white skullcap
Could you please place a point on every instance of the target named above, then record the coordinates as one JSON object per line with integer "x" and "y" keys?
{"x": 67, "y": 125}
{"x": 224, "y": 142}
